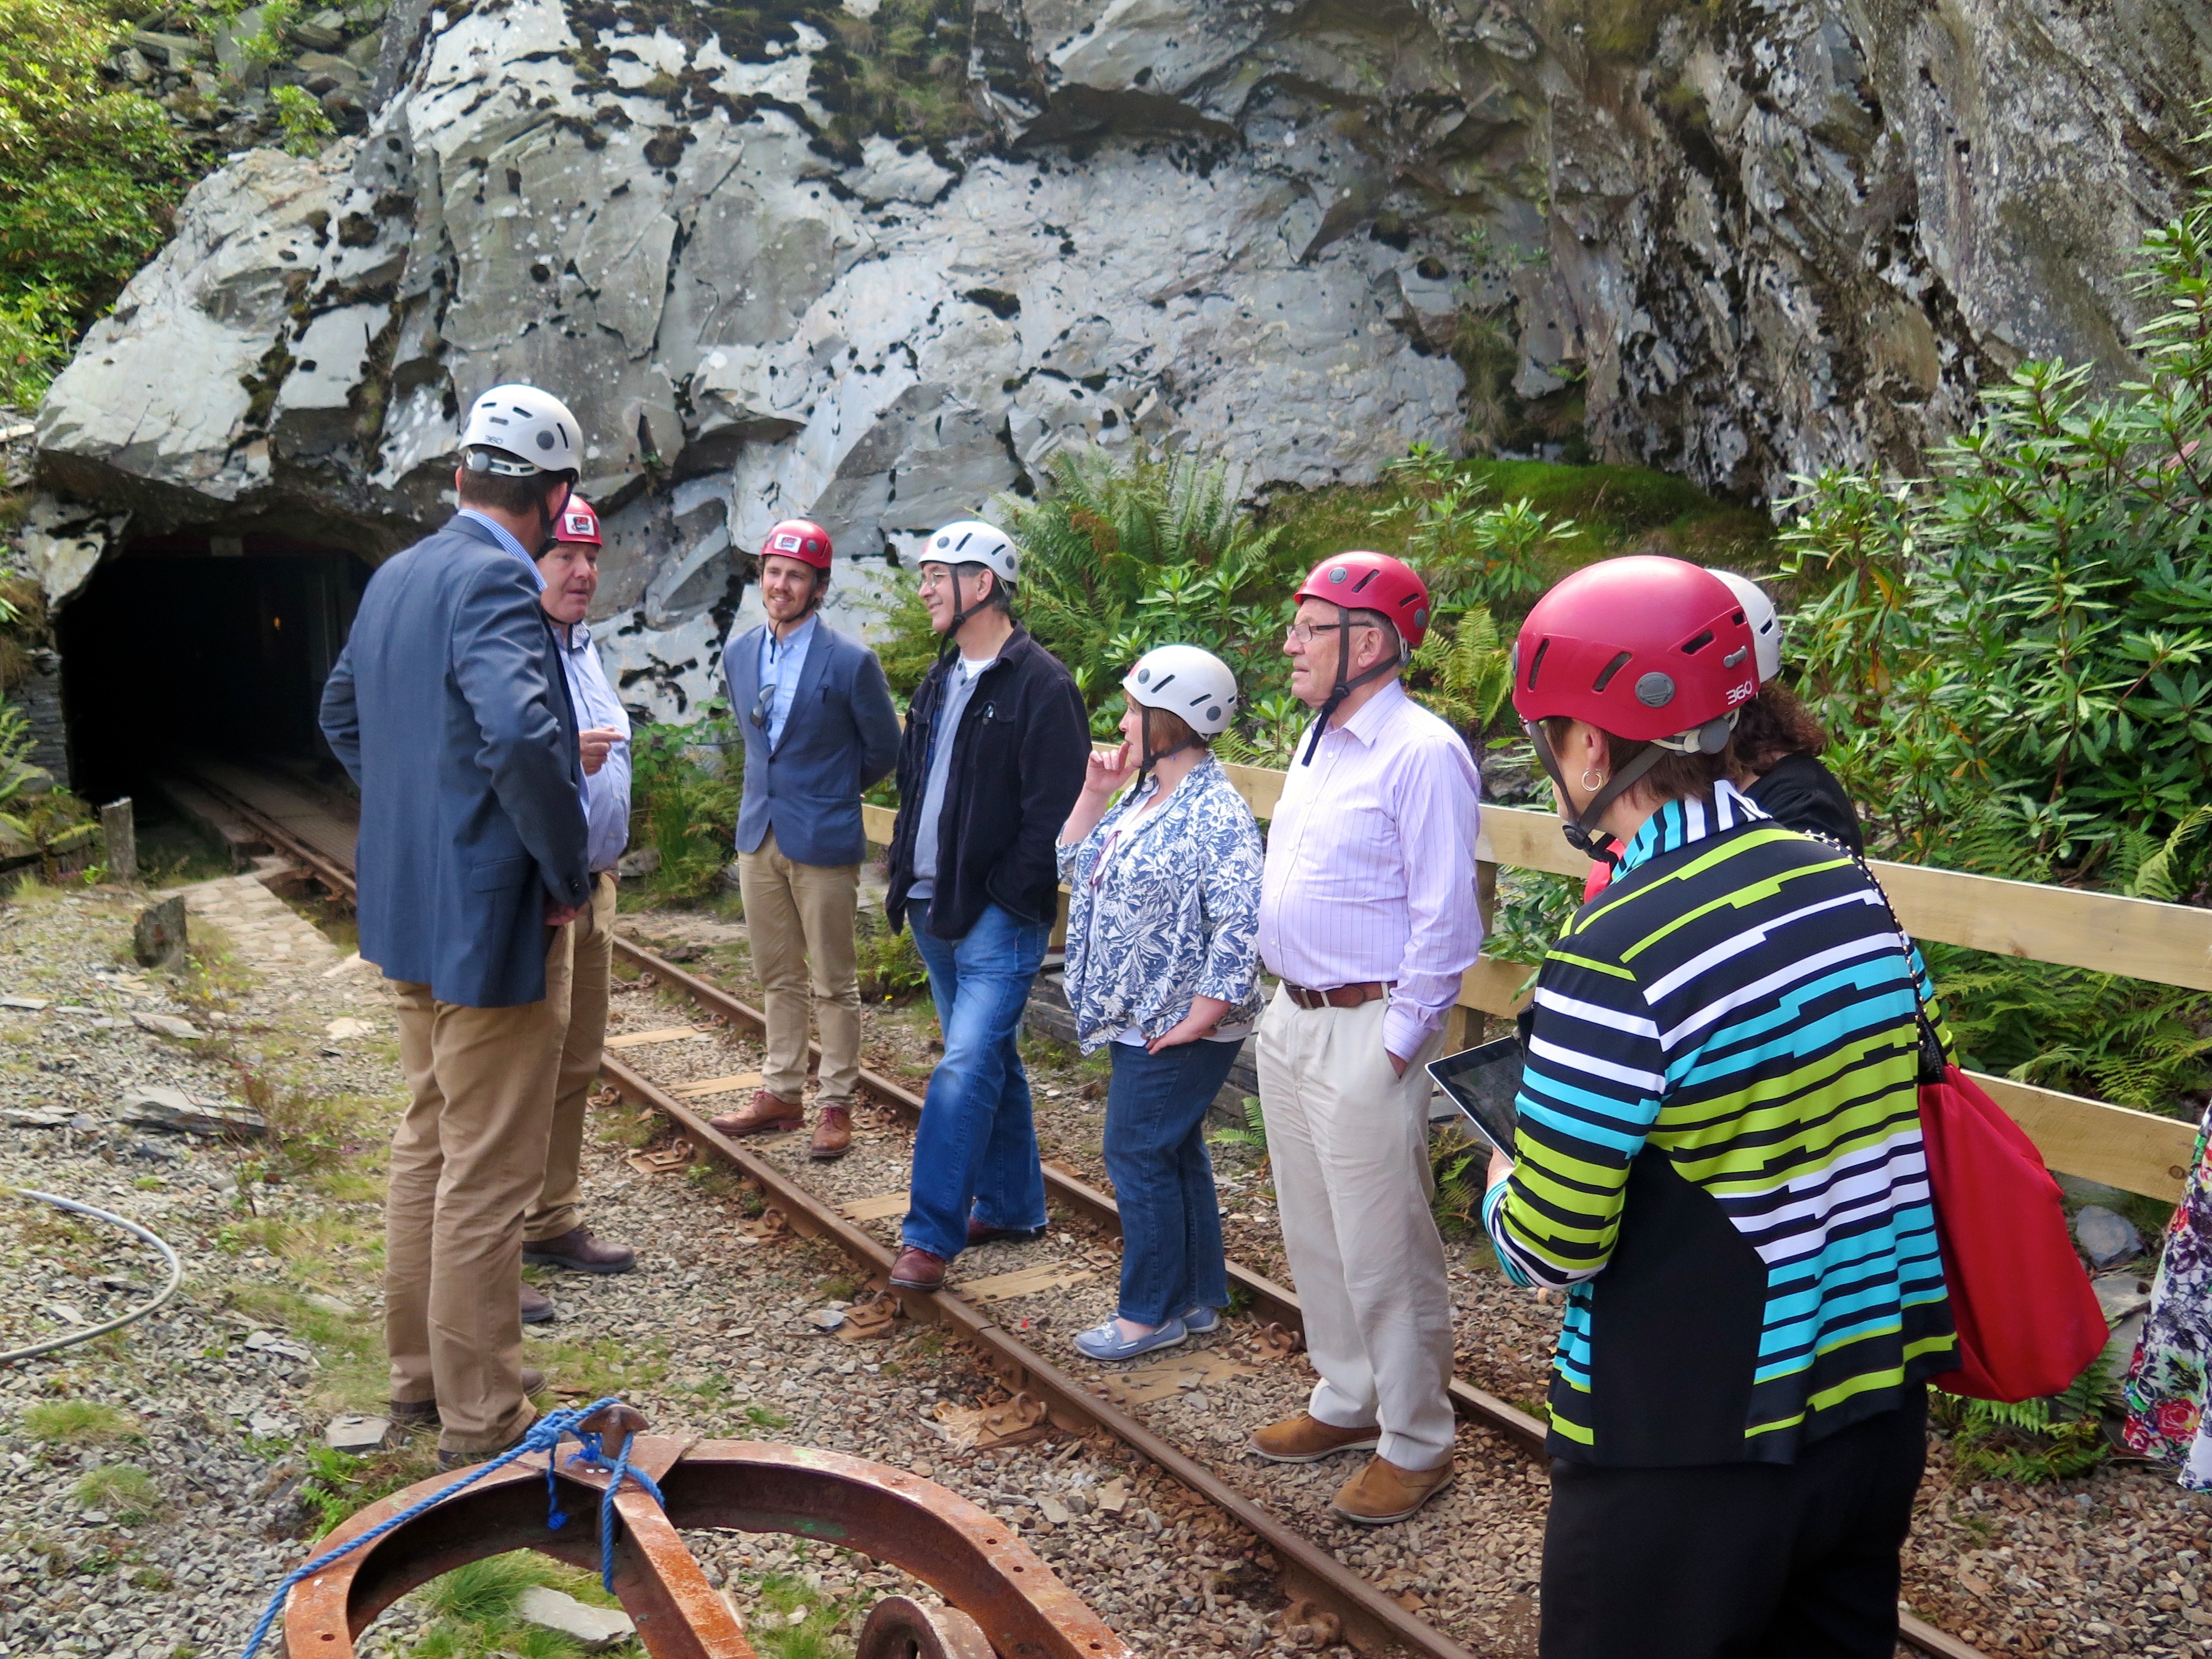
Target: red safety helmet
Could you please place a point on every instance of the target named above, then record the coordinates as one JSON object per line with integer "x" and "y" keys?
{"x": 578, "y": 523}
{"x": 1373, "y": 581}
{"x": 798, "y": 538}
{"x": 1650, "y": 649}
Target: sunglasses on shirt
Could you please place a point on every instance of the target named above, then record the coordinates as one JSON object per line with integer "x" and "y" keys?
{"x": 763, "y": 706}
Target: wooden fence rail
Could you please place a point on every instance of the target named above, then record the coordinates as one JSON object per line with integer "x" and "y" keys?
{"x": 2138, "y": 939}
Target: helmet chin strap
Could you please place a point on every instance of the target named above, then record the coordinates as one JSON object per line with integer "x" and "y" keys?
{"x": 1147, "y": 757}
{"x": 548, "y": 518}
{"x": 960, "y": 614}
{"x": 1344, "y": 688}
{"x": 1582, "y": 830}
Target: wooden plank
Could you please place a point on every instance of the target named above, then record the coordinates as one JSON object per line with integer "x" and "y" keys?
{"x": 880, "y": 1207}
{"x": 2135, "y": 1151}
{"x": 640, "y": 1039}
{"x": 2138, "y": 939}
{"x": 1022, "y": 1281}
{"x": 715, "y": 1085}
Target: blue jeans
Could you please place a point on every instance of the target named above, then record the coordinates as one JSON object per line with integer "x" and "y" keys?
{"x": 976, "y": 1146}
{"x": 1156, "y": 1154}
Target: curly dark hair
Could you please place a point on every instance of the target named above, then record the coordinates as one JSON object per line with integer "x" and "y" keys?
{"x": 1773, "y": 726}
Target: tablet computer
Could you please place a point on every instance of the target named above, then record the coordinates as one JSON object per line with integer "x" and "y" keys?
{"x": 1482, "y": 1082}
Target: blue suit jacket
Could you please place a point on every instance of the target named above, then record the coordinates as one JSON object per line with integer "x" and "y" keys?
{"x": 449, "y": 707}
{"x": 842, "y": 735}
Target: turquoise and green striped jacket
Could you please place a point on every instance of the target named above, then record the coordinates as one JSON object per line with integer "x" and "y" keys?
{"x": 1720, "y": 1151}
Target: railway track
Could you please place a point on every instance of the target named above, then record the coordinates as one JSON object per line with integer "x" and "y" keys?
{"x": 1369, "y": 1617}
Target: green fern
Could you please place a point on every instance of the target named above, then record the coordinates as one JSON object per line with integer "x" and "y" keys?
{"x": 1252, "y": 1133}
{"x": 2032, "y": 1441}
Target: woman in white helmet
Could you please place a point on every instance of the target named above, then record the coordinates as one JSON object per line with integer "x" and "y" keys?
{"x": 1162, "y": 966}
{"x": 1777, "y": 742}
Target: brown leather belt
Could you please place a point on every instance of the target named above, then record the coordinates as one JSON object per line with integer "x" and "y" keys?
{"x": 1337, "y": 996}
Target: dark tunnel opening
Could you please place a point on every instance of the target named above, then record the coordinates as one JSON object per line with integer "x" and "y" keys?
{"x": 192, "y": 645}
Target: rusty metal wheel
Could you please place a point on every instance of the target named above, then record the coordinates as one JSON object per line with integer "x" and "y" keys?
{"x": 899, "y": 1627}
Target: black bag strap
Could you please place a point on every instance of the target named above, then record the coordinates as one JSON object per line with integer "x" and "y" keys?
{"x": 1933, "y": 1058}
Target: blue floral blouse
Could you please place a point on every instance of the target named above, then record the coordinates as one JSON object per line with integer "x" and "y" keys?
{"x": 1175, "y": 916}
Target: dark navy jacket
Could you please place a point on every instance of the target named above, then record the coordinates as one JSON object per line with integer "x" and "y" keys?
{"x": 843, "y": 735}
{"x": 1017, "y": 765}
{"x": 449, "y": 708}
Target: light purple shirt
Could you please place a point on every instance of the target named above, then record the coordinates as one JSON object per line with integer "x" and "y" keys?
{"x": 1370, "y": 864}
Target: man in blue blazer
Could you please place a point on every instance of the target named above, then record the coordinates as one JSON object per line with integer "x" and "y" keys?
{"x": 819, "y": 727}
{"x": 450, "y": 709}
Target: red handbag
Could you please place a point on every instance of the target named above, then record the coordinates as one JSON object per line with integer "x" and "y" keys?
{"x": 2028, "y": 1322}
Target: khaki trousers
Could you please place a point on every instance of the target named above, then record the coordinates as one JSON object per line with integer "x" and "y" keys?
{"x": 467, "y": 1162}
{"x": 1348, "y": 1143}
{"x": 800, "y": 917}
{"x": 591, "y": 948}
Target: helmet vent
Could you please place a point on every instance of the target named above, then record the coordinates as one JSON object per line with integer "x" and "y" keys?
{"x": 1536, "y": 662}
{"x": 1364, "y": 581}
{"x": 1696, "y": 642}
{"x": 1621, "y": 661}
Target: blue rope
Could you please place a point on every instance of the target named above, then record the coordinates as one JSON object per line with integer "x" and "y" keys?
{"x": 545, "y": 1435}
{"x": 593, "y": 1455}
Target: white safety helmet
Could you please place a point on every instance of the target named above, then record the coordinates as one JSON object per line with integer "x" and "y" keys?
{"x": 1186, "y": 680}
{"x": 518, "y": 431}
{"x": 1765, "y": 626}
{"x": 970, "y": 541}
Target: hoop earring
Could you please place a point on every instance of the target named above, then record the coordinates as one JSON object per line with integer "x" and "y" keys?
{"x": 1593, "y": 781}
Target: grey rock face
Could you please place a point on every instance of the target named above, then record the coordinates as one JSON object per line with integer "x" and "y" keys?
{"x": 1740, "y": 247}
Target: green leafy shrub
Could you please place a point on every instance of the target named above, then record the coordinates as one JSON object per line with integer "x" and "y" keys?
{"x": 306, "y": 124}
{"x": 686, "y": 785}
{"x": 88, "y": 174}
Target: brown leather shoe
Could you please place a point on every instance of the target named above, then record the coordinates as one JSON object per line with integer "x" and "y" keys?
{"x": 1382, "y": 1493}
{"x": 769, "y": 1115}
{"x": 409, "y": 1413}
{"x": 1306, "y": 1439}
{"x": 578, "y": 1252}
{"x": 833, "y": 1134}
{"x": 917, "y": 1270}
{"x": 536, "y": 1309}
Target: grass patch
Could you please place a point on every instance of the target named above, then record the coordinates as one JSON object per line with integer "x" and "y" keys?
{"x": 123, "y": 1490}
{"x": 340, "y": 1483}
{"x": 604, "y": 1367}
{"x": 762, "y": 1417}
{"x": 76, "y": 1423}
{"x": 790, "y": 1620}
{"x": 211, "y": 978}
{"x": 472, "y": 1610}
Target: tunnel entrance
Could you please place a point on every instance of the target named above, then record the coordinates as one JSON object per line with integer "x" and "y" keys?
{"x": 196, "y": 645}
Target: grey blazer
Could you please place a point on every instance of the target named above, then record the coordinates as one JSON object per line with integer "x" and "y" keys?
{"x": 843, "y": 735}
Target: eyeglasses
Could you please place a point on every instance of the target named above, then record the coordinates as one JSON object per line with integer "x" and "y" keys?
{"x": 934, "y": 579}
{"x": 1303, "y": 632}
{"x": 764, "y": 705}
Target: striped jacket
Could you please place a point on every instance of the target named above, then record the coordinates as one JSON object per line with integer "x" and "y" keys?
{"x": 1720, "y": 1151}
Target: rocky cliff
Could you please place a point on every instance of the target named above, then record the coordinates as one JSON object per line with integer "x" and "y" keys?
{"x": 873, "y": 264}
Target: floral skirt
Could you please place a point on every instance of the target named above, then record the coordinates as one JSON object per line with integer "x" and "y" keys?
{"x": 2169, "y": 1412}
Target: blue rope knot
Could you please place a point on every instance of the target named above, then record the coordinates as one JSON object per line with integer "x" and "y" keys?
{"x": 545, "y": 1435}
{"x": 592, "y": 1454}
